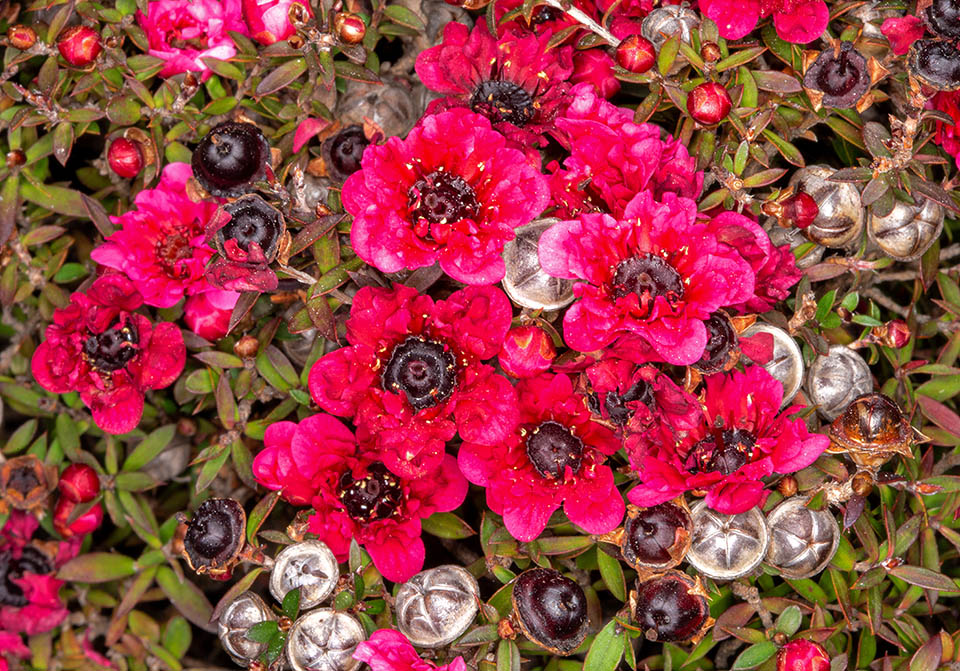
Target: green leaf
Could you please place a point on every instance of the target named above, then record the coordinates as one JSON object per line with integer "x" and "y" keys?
{"x": 149, "y": 448}
{"x": 790, "y": 620}
{"x": 291, "y": 603}
{"x": 612, "y": 573}
{"x": 354, "y": 72}
{"x": 95, "y": 567}
{"x": 787, "y": 150}
{"x": 56, "y": 199}
{"x": 282, "y": 76}
{"x": 9, "y": 204}
{"x": 177, "y": 636}
{"x": 224, "y": 68}
{"x": 262, "y": 632}
{"x": 922, "y": 577}
{"x": 754, "y": 656}
{"x": 606, "y": 651}
{"x": 447, "y": 525}
{"x": 508, "y": 656}
{"x": 403, "y": 16}
{"x": 186, "y": 597}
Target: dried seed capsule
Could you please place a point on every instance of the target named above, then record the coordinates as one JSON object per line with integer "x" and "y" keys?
{"x": 835, "y": 379}
{"x": 324, "y": 640}
{"x": 802, "y": 541}
{"x": 671, "y": 607}
{"x": 309, "y": 565}
{"x": 230, "y": 157}
{"x": 725, "y": 547}
{"x": 657, "y": 537}
{"x": 665, "y": 22}
{"x": 252, "y": 219}
{"x": 721, "y": 352}
{"x": 840, "y": 218}
{"x": 214, "y": 537}
{"x": 243, "y": 612}
{"x": 349, "y": 27}
{"x": 25, "y": 482}
{"x": 943, "y": 18}
{"x": 436, "y": 606}
{"x": 551, "y": 610}
{"x": 871, "y": 430}
{"x": 908, "y": 230}
{"x": 525, "y": 281}
{"x": 936, "y": 63}
{"x": 786, "y": 364}
{"x": 841, "y": 76}
{"x": 342, "y": 152}
{"x": 21, "y": 37}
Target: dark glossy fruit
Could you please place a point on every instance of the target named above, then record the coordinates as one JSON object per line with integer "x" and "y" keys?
{"x": 721, "y": 342}
{"x": 551, "y": 610}
{"x": 841, "y": 76}
{"x": 636, "y": 54}
{"x": 667, "y": 608}
{"x": 230, "y": 157}
{"x": 79, "y": 483}
{"x": 342, "y": 152}
{"x": 215, "y": 536}
{"x": 253, "y": 220}
{"x": 943, "y": 18}
{"x": 656, "y": 537}
{"x": 935, "y": 63}
{"x": 872, "y": 429}
{"x": 709, "y": 103}
{"x": 375, "y": 496}
{"x": 552, "y": 448}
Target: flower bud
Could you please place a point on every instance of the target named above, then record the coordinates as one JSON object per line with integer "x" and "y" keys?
{"x": 79, "y": 45}
{"x": 349, "y": 27}
{"x": 205, "y": 319}
{"x": 527, "y": 351}
{"x": 125, "y": 157}
{"x": 246, "y": 347}
{"x": 274, "y": 20}
{"x": 22, "y": 37}
{"x": 636, "y": 54}
{"x": 893, "y": 334}
{"x": 710, "y": 52}
{"x": 800, "y": 209}
{"x": 83, "y": 525}
{"x": 787, "y": 486}
{"x": 803, "y": 655}
{"x": 79, "y": 483}
{"x": 709, "y": 103}
{"x": 16, "y": 158}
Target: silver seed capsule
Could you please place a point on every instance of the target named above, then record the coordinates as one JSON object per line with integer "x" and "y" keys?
{"x": 525, "y": 281}
{"x": 436, "y": 606}
{"x": 309, "y": 565}
{"x": 841, "y": 217}
{"x": 835, "y": 379}
{"x": 725, "y": 547}
{"x": 802, "y": 541}
{"x": 909, "y": 230}
{"x": 794, "y": 237}
{"x": 243, "y": 612}
{"x": 665, "y": 22}
{"x": 324, "y": 640}
{"x": 787, "y": 362}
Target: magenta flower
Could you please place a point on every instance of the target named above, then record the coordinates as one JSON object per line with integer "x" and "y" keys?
{"x": 947, "y": 135}
{"x": 615, "y": 159}
{"x": 389, "y": 650}
{"x": 742, "y": 437}
{"x": 11, "y": 645}
{"x": 656, "y": 273}
{"x": 902, "y": 32}
{"x": 518, "y": 81}
{"x": 353, "y": 494}
{"x": 205, "y": 319}
{"x": 595, "y": 68}
{"x": 269, "y": 20}
{"x": 160, "y": 244}
{"x": 413, "y": 375}
{"x": 797, "y": 21}
{"x": 100, "y": 347}
{"x": 452, "y": 192}
{"x": 183, "y": 32}
{"x": 554, "y": 456}
{"x": 29, "y": 592}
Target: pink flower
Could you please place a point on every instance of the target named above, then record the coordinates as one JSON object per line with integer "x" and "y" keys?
{"x": 205, "y": 319}
{"x": 160, "y": 244}
{"x": 615, "y": 158}
{"x": 11, "y": 645}
{"x": 182, "y": 32}
{"x": 269, "y": 20}
{"x": 544, "y": 20}
{"x": 946, "y": 134}
{"x": 389, "y": 650}
{"x": 554, "y": 456}
{"x": 656, "y": 273}
{"x": 354, "y": 495}
{"x": 452, "y": 192}
{"x": 518, "y": 81}
{"x": 413, "y": 376}
{"x": 902, "y": 32}
{"x": 742, "y": 437}
{"x": 797, "y": 21}
{"x": 594, "y": 67}
{"x": 100, "y": 347}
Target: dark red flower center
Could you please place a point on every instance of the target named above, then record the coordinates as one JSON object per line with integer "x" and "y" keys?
{"x": 424, "y": 370}
{"x": 172, "y": 250}
{"x": 346, "y": 149}
{"x": 31, "y": 560}
{"x": 647, "y": 276}
{"x": 618, "y": 407}
{"x": 376, "y": 496}
{"x": 551, "y": 447}
{"x": 501, "y": 100}
{"x": 838, "y": 75}
{"x": 724, "y": 451}
{"x": 440, "y": 198}
{"x": 113, "y": 349}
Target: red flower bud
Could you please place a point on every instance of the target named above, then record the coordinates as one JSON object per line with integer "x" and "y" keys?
{"x": 86, "y": 523}
{"x": 803, "y": 655}
{"x": 22, "y": 37}
{"x": 527, "y": 351}
{"x": 125, "y": 157}
{"x": 709, "y": 103}
{"x": 800, "y": 209}
{"x": 636, "y": 54}
{"x": 79, "y": 45}
{"x": 350, "y": 28}
{"x": 79, "y": 483}
{"x": 895, "y": 334}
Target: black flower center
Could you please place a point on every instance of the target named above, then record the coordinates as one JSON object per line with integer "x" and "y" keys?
{"x": 344, "y": 150}
{"x": 424, "y": 370}
{"x": 619, "y": 407}
{"x": 252, "y": 220}
{"x": 375, "y": 496}
{"x": 501, "y": 100}
{"x": 647, "y": 276}
{"x": 551, "y": 447}
{"x": 839, "y": 75}
{"x": 113, "y": 349}
{"x": 31, "y": 560}
{"x": 441, "y": 198}
{"x": 545, "y": 14}
{"x": 172, "y": 250}
{"x": 724, "y": 451}
{"x": 721, "y": 338}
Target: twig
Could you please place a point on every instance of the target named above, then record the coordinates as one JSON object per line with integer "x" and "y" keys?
{"x": 580, "y": 17}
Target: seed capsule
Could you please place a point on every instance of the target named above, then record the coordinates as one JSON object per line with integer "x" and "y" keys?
{"x": 786, "y": 364}
{"x": 802, "y": 541}
{"x": 309, "y": 565}
{"x": 243, "y": 612}
{"x": 840, "y": 218}
{"x": 671, "y": 606}
{"x": 871, "y": 430}
{"x": 908, "y": 231}
{"x": 324, "y": 640}
{"x": 725, "y": 547}
{"x": 525, "y": 281}
{"x": 25, "y": 482}
{"x": 840, "y": 75}
{"x": 551, "y": 610}
{"x": 665, "y": 22}
{"x": 230, "y": 157}
{"x": 835, "y": 379}
{"x": 436, "y": 606}
{"x": 936, "y": 63}
{"x": 656, "y": 538}
{"x": 214, "y": 537}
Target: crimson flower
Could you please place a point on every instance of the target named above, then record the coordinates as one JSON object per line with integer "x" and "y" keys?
{"x": 554, "y": 456}
{"x": 518, "y": 81}
{"x": 389, "y": 650}
{"x": 741, "y": 438}
{"x": 413, "y": 373}
{"x": 100, "y": 347}
{"x": 656, "y": 273}
{"x": 353, "y": 493}
{"x": 797, "y": 21}
{"x": 452, "y": 191}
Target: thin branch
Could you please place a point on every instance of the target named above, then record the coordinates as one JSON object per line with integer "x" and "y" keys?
{"x": 580, "y": 17}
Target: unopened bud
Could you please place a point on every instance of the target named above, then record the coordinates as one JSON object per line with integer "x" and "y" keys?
{"x": 349, "y": 27}
{"x": 125, "y": 157}
{"x": 246, "y": 347}
{"x": 22, "y": 37}
{"x": 79, "y": 45}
